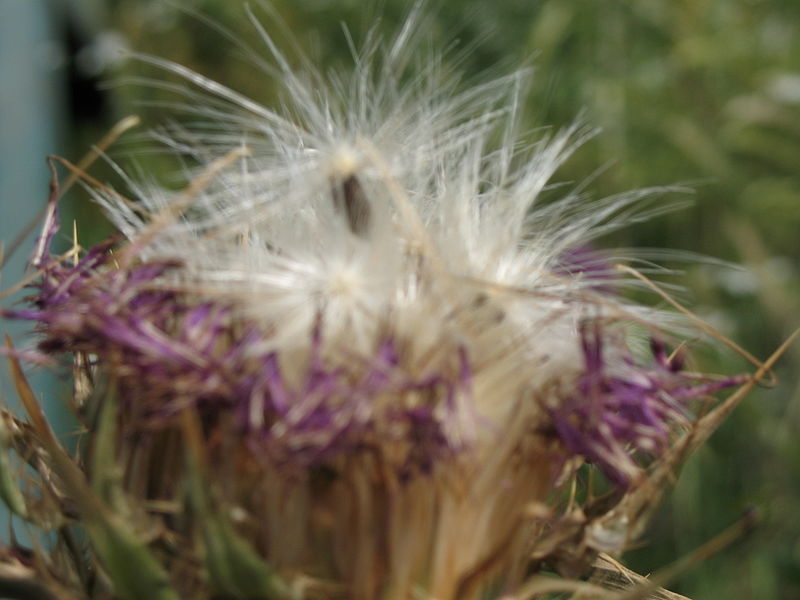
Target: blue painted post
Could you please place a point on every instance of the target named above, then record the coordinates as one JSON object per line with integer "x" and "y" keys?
{"x": 32, "y": 118}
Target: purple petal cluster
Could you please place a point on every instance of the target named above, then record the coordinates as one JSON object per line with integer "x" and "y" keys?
{"x": 370, "y": 404}
{"x": 611, "y": 415}
{"x": 167, "y": 350}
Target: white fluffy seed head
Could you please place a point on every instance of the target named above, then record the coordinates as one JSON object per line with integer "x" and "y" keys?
{"x": 385, "y": 331}
{"x": 388, "y": 204}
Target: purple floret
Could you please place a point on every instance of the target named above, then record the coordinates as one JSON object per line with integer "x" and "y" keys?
{"x": 335, "y": 410}
{"x": 168, "y": 350}
{"x": 592, "y": 266}
{"x": 611, "y": 416}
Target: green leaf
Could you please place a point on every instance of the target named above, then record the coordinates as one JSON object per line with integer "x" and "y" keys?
{"x": 104, "y": 469}
{"x": 234, "y": 568}
{"x": 134, "y": 571}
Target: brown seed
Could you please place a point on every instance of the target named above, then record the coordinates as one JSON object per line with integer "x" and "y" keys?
{"x": 349, "y": 198}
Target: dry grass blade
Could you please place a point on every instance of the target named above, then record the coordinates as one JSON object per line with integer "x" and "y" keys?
{"x": 710, "y": 422}
{"x": 612, "y": 575}
{"x": 113, "y": 134}
{"x": 28, "y": 399}
{"x": 640, "y": 503}
{"x": 541, "y": 585}
{"x": 184, "y": 200}
{"x": 650, "y": 588}
{"x": 700, "y": 322}
{"x": 77, "y": 172}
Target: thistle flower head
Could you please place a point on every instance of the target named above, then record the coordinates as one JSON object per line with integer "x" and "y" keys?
{"x": 395, "y": 355}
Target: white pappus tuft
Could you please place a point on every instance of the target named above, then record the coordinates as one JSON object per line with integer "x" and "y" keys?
{"x": 386, "y": 197}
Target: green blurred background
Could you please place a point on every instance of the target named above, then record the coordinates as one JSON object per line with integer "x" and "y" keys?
{"x": 704, "y": 92}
